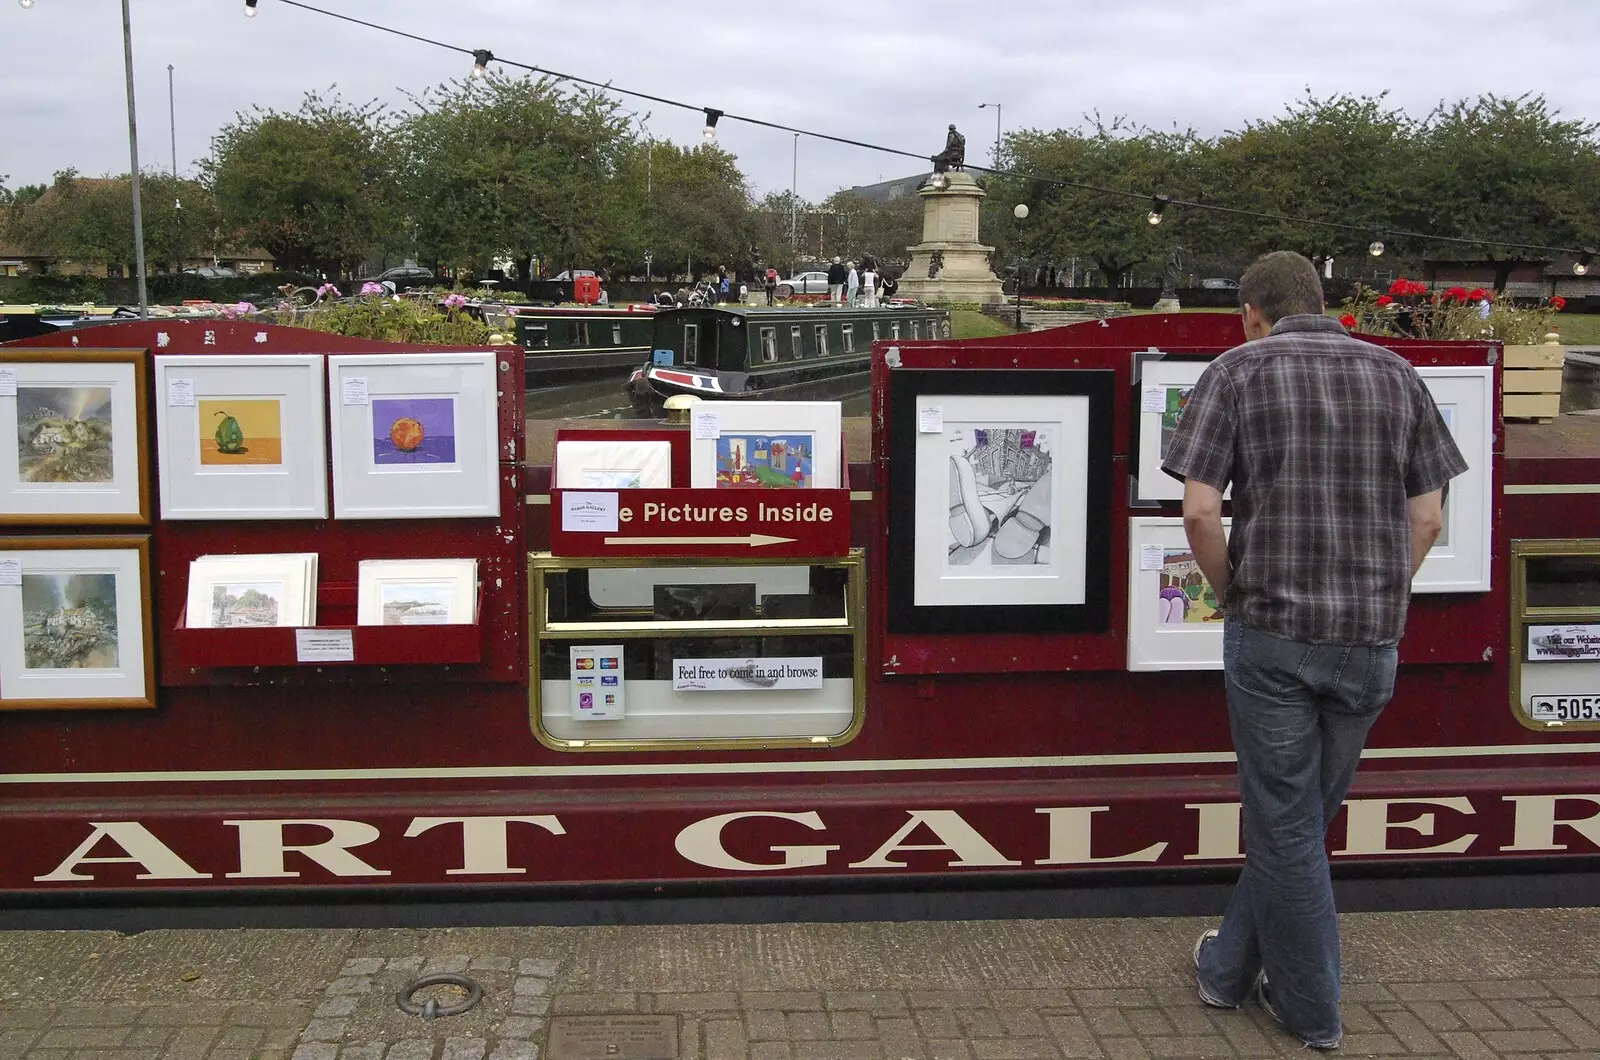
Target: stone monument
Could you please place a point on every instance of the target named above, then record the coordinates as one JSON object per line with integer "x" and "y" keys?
{"x": 950, "y": 265}
{"x": 1168, "y": 302}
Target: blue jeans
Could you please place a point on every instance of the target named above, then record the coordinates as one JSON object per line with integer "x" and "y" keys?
{"x": 1299, "y": 714}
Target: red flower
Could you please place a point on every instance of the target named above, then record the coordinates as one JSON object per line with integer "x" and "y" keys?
{"x": 1477, "y": 294}
{"x": 1455, "y": 294}
{"x": 1557, "y": 303}
{"x": 1384, "y": 300}
{"x": 1400, "y": 287}
{"x": 1348, "y": 321}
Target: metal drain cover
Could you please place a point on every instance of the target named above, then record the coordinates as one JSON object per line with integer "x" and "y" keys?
{"x": 618, "y": 1037}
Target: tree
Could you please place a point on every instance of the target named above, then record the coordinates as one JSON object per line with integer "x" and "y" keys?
{"x": 315, "y": 187}
{"x": 90, "y": 219}
{"x": 700, "y": 215}
{"x": 882, "y": 228}
{"x": 1508, "y": 169}
{"x": 517, "y": 167}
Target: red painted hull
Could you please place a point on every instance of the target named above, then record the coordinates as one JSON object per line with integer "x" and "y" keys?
{"x": 404, "y": 776}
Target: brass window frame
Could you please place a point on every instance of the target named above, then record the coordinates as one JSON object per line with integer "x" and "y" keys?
{"x": 1523, "y": 616}
{"x": 540, "y": 629}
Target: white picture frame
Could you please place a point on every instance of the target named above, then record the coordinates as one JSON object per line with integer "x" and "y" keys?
{"x": 1460, "y": 561}
{"x": 76, "y": 628}
{"x": 729, "y": 431}
{"x": 1162, "y": 382}
{"x": 271, "y": 464}
{"x": 252, "y": 591}
{"x": 597, "y": 464}
{"x": 97, "y": 475}
{"x": 1173, "y": 623}
{"x": 440, "y": 455}
{"x": 961, "y": 460}
{"x": 412, "y": 592}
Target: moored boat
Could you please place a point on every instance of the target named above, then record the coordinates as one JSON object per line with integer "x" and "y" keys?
{"x": 572, "y": 343}
{"x": 796, "y": 353}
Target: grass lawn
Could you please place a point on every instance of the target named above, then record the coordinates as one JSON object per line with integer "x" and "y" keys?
{"x": 1579, "y": 329}
{"x": 971, "y": 324}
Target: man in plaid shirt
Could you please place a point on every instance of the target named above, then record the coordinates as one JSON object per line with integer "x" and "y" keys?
{"x": 1338, "y": 459}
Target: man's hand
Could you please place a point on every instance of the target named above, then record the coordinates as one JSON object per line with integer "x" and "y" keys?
{"x": 1426, "y": 513}
{"x": 1202, "y": 522}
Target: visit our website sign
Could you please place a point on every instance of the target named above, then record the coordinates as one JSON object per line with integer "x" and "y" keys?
{"x": 1564, "y": 643}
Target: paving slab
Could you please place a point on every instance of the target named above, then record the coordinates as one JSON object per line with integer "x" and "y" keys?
{"x": 1491, "y": 984}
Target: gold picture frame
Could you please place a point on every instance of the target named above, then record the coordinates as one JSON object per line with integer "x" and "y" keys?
{"x": 76, "y": 630}
{"x": 73, "y": 402}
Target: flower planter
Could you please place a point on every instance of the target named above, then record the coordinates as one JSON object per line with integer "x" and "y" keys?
{"x": 1531, "y": 389}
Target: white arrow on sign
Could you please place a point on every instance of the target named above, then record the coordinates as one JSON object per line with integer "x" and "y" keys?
{"x": 753, "y": 540}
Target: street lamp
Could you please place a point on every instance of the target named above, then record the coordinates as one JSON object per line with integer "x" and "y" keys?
{"x": 133, "y": 156}
{"x": 1020, "y": 212}
{"x": 997, "y": 113}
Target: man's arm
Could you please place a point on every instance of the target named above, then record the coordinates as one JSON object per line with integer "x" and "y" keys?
{"x": 1202, "y": 522}
{"x": 1426, "y": 514}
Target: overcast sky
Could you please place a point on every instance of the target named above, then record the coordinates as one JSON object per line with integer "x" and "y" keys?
{"x": 886, "y": 71}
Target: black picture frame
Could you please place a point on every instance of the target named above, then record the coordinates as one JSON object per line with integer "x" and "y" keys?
{"x": 906, "y": 385}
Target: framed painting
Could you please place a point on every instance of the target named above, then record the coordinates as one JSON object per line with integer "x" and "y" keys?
{"x": 241, "y": 437}
{"x": 1163, "y": 385}
{"x": 1459, "y": 561}
{"x": 999, "y": 500}
{"x": 415, "y": 436}
{"x": 73, "y": 430}
{"x": 75, "y": 626}
{"x": 1174, "y": 620}
{"x": 777, "y": 444}
{"x": 611, "y": 465}
{"x": 245, "y": 591}
{"x": 417, "y": 592}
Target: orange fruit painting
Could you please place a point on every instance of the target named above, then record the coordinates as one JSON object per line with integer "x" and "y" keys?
{"x": 406, "y": 434}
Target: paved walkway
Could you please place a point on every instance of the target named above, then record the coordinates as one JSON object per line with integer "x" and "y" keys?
{"x": 1460, "y": 985}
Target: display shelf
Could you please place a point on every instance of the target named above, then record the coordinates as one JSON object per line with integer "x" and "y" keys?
{"x": 275, "y": 646}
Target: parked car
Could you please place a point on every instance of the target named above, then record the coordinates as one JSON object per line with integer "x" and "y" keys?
{"x": 211, "y": 272}
{"x": 404, "y": 277}
{"x": 804, "y": 283}
{"x": 1219, "y": 283}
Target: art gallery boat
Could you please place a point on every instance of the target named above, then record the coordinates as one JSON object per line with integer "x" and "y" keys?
{"x": 794, "y": 353}
{"x": 812, "y": 698}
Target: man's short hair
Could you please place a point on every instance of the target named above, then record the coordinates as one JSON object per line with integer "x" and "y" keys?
{"x": 1282, "y": 284}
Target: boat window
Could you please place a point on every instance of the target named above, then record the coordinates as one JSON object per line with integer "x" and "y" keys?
{"x": 691, "y": 344}
{"x": 616, "y": 334}
{"x": 1570, "y": 581}
{"x": 536, "y": 337}
{"x": 877, "y": 330}
{"x": 794, "y": 342}
{"x": 894, "y": 329}
{"x": 769, "y": 344}
{"x": 945, "y": 327}
{"x": 822, "y": 340}
{"x": 916, "y": 329}
{"x": 849, "y": 338}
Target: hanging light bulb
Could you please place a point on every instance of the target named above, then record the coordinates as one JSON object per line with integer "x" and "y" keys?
{"x": 1021, "y": 212}
{"x": 249, "y": 8}
{"x": 1581, "y": 266}
{"x": 1375, "y": 248}
{"x": 709, "y": 133}
{"x": 25, "y": 4}
{"x": 481, "y": 58}
{"x": 1158, "y": 205}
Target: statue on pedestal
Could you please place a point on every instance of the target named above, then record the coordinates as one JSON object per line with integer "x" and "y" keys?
{"x": 954, "y": 155}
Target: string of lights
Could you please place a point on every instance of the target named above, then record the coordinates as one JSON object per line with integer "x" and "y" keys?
{"x": 1159, "y": 203}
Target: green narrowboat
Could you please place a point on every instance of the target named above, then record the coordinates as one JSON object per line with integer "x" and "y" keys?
{"x": 798, "y": 353}
{"x": 568, "y": 344}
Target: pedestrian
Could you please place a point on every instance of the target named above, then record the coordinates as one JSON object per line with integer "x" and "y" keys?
{"x": 771, "y": 283}
{"x": 836, "y": 278}
{"x": 852, "y": 282}
{"x": 1338, "y": 459}
{"x": 869, "y": 287}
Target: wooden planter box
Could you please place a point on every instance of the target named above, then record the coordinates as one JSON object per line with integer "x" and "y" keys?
{"x": 1532, "y": 382}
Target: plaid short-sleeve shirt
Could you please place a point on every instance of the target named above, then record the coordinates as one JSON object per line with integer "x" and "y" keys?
{"x": 1323, "y": 438}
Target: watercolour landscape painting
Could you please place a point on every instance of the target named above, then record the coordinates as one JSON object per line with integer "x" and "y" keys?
{"x": 1173, "y": 401}
{"x": 417, "y": 604}
{"x": 235, "y": 431}
{"x": 764, "y": 460}
{"x": 64, "y": 434}
{"x": 413, "y": 431}
{"x": 69, "y": 621}
{"x": 236, "y": 604}
{"x": 1001, "y": 480}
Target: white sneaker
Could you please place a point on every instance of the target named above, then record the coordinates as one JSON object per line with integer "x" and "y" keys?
{"x": 1199, "y": 943}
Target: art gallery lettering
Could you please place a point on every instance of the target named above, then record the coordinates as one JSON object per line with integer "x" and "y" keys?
{"x": 764, "y": 841}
